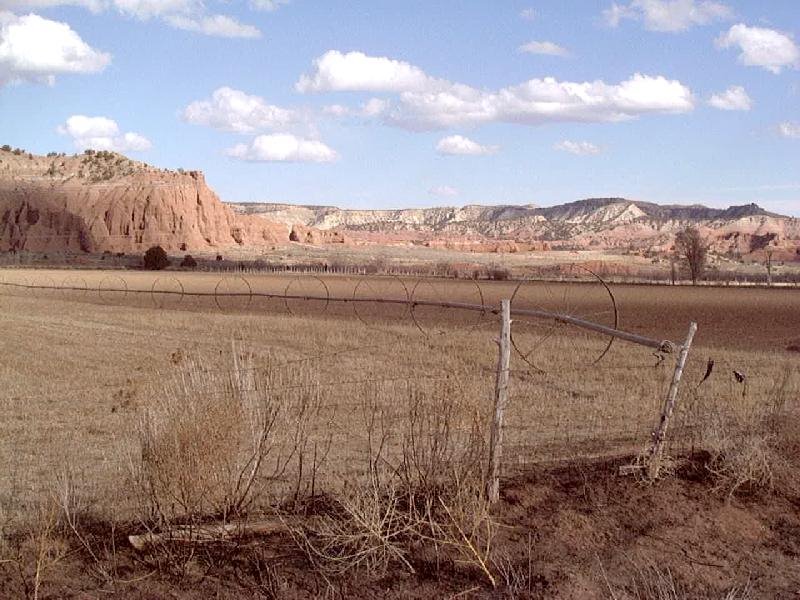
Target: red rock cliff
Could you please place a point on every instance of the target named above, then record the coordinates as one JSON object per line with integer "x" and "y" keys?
{"x": 127, "y": 208}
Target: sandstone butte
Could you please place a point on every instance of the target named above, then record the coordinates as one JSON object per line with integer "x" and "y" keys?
{"x": 106, "y": 202}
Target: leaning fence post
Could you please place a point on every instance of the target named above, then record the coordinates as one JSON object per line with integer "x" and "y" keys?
{"x": 500, "y": 401}
{"x": 660, "y": 435}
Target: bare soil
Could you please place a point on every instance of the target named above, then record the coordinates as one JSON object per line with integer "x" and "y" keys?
{"x": 577, "y": 531}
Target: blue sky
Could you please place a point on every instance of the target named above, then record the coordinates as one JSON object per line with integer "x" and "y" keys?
{"x": 384, "y": 104}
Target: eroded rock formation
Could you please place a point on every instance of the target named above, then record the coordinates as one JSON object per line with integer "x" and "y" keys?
{"x": 105, "y": 202}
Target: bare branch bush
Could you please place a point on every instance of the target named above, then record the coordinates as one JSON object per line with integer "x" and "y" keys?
{"x": 30, "y": 556}
{"x": 101, "y": 553}
{"x": 443, "y": 470}
{"x": 365, "y": 526}
{"x": 421, "y": 485}
{"x": 215, "y": 443}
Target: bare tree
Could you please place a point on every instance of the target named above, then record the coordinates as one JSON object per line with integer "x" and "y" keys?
{"x": 672, "y": 270}
{"x": 691, "y": 247}
{"x": 768, "y": 265}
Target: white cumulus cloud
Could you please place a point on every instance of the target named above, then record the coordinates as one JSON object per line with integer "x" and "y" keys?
{"x": 443, "y": 191}
{"x": 542, "y": 101}
{"x": 374, "y": 107}
{"x": 371, "y": 109}
{"x": 789, "y": 129}
{"x": 134, "y": 142}
{"x": 460, "y": 145}
{"x": 426, "y": 102}
{"x": 734, "y": 98}
{"x": 146, "y": 9}
{"x": 761, "y": 47}
{"x": 547, "y": 48}
{"x": 102, "y": 133}
{"x": 355, "y": 71}
{"x": 578, "y": 148}
{"x": 283, "y": 147}
{"x": 268, "y": 5}
{"x": 36, "y": 49}
{"x": 234, "y": 110}
{"x": 26, "y": 5}
{"x": 189, "y": 15}
{"x": 336, "y": 110}
{"x": 668, "y": 15}
{"x": 214, "y": 25}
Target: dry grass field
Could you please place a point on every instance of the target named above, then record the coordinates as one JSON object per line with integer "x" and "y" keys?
{"x": 135, "y": 402}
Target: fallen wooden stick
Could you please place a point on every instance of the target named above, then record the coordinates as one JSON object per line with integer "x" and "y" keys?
{"x": 212, "y": 532}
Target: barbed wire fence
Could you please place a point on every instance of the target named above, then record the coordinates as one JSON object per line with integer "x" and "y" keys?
{"x": 549, "y": 416}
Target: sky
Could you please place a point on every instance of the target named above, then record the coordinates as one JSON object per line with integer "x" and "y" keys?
{"x": 385, "y": 104}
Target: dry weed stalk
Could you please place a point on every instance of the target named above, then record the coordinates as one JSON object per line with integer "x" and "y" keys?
{"x": 516, "y": 575}
{"x": 103, "y": 557}
{"x": 650, "y": 581}
{"x": 742, "y": 449}
{"x": 39, "y": 551}
{"x": 368, "y": 530}
{"x": 743, "y": 439}
{"x": 366, "y": 526}
{"x": 212, "y": 441}
{"x": 430, "y": 491}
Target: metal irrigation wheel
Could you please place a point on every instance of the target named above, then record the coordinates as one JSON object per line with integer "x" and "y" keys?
{"x": 306, "y": 295}
{"x": 580, "y": 294}
{"x": 237, "y": 290}
{"x": 112, "y": 286}
{"x": 389, "y": 287}
{"x": 74, "y": 286}
{"x": 18, "y": 284}
{"x": 430, "y": 318}
{"x": 166, "y": 292}
{"x": 43, "y": 285}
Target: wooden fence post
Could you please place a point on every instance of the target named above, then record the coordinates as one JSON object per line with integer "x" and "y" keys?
{"x": 500, "y": 401}
{"x": 660, "y": 435}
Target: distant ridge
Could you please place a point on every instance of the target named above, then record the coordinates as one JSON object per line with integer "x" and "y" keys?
{"x": 103, "y": 201}
{"x": 591, "y": 223}
{"x": 660, "y": 211}
{"x": 561, "y": 211}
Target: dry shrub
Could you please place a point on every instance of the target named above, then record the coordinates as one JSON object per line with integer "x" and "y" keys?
{"x": 443, "y": 472}
{"x": 421, "y": 486}
{"x": 516, "y": 572}
{"x": 367, "y": 528}
{"x": 744, "y": 438}
{"x": 649, "y": 581}
{"x": 742, "y": 451}
{"x": 212, "y": 440}
{"x": 80, "y": 523}
{"x": 442, "y": 440}
{"x": 35, "y": 550}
